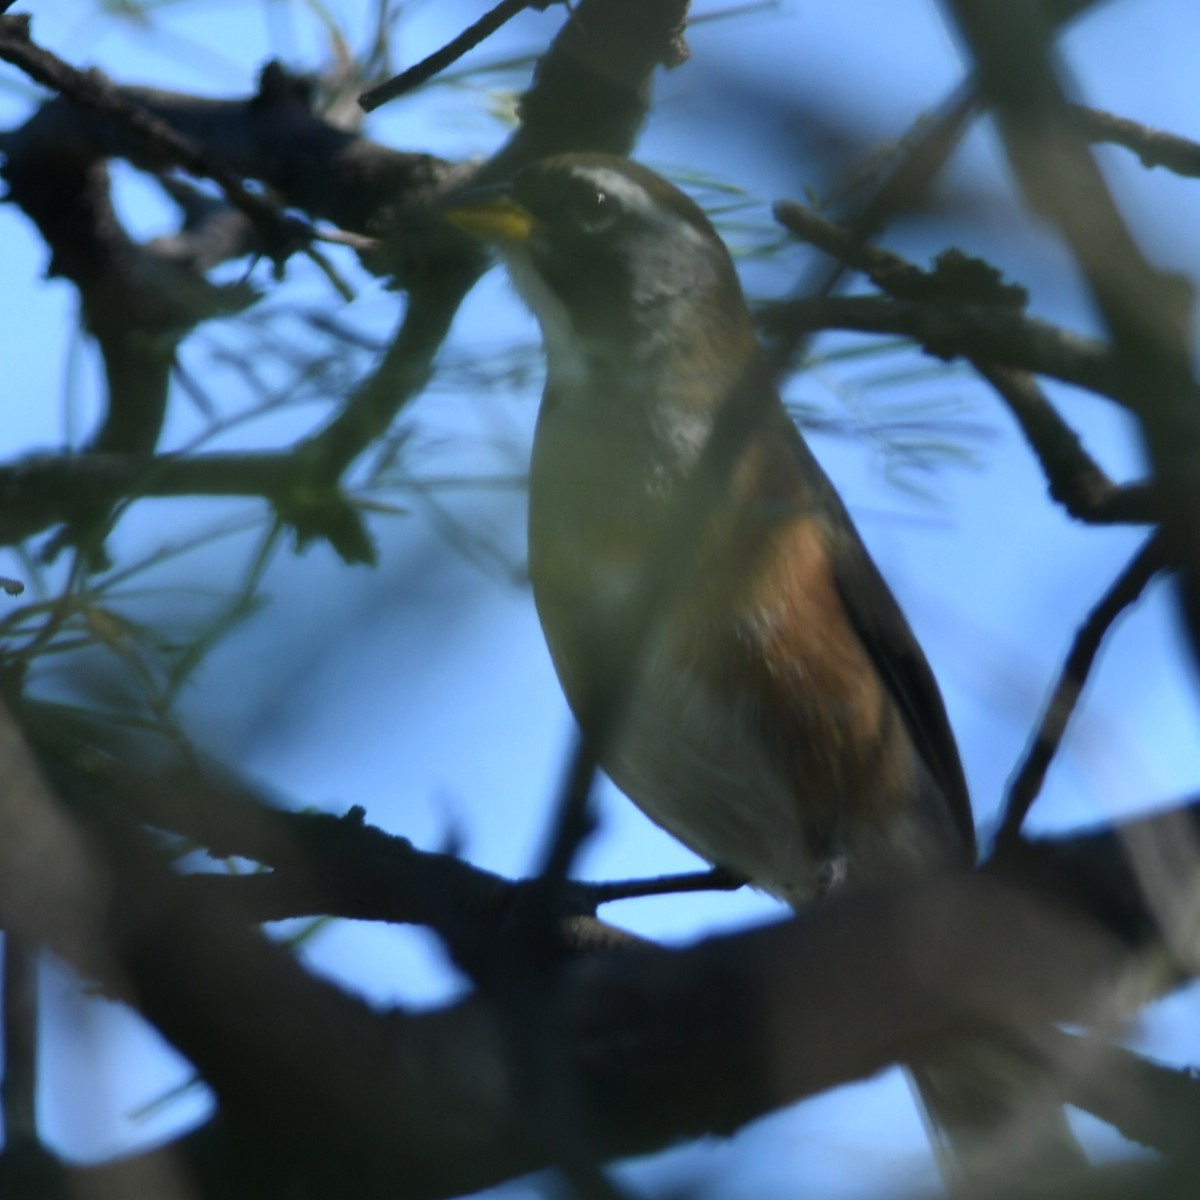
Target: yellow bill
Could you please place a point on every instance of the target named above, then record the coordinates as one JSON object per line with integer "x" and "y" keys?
{"x": 495, "y": 220}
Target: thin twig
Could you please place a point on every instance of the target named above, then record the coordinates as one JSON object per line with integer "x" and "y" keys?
{"x": 1027, "y": 782}
{"x": 592, "y": 895}
{"x": 1154, "y": 147}
{"x": 1076, "y": 480}
{"x": 439, "y": 60}
{"x": 346, "y": 237}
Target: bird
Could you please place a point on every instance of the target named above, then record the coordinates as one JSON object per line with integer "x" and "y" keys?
{"x": 780, "y": 719}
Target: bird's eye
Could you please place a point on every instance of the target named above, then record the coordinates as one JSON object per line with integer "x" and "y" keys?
{"x": 590, "y": 210}
{"x": 571, "y": 202}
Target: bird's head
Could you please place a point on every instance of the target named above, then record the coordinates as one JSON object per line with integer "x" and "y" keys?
{"x": 623, "y": 271}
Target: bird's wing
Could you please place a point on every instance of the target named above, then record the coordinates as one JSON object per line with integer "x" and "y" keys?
{"x": 892, "y": 646}
{"x": 880, "y": 626}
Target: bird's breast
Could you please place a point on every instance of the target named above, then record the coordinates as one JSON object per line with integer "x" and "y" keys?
{"x": 754, "y": 727}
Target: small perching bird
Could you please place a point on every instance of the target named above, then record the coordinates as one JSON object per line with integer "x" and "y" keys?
{"x": 781, "y": 720}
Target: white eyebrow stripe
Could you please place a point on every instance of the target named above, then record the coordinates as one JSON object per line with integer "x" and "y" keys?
{"x": 625, "y": 191}
{"x": 633, "y": 197}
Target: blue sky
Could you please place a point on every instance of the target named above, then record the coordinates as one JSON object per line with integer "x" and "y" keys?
{"x": 422, "y": 690}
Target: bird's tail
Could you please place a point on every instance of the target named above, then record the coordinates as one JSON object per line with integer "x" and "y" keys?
{"x": 995, "y": 1119}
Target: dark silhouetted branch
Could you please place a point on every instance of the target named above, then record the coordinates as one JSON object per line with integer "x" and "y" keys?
{"x": 1076, "y": 480}
{"x": 280, "y": 233}
{"x": 1125, "y": 591}
{"x": 1149, "y": 1103}
{"x": 1154, "y": 147}
{"x": 969, "y": 331}
{"x": 433, "y": 64}
{"x": 662, "y": 1044}
{"x": 1147, "y": 312}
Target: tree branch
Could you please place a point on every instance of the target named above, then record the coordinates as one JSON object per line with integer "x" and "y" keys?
{"x": 662, "y": 1044}
{"x": 1148, "y": 312}
{"x": 433, "y": 64}
{"x": 1154, "y": 147}
{"x": 1076, "y": 480}
{"x": 280, "y": 234}
{"x": 1152, "y": 1104}
{"x": 1027, "y": 781}
{"x": 971, "y": 331}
